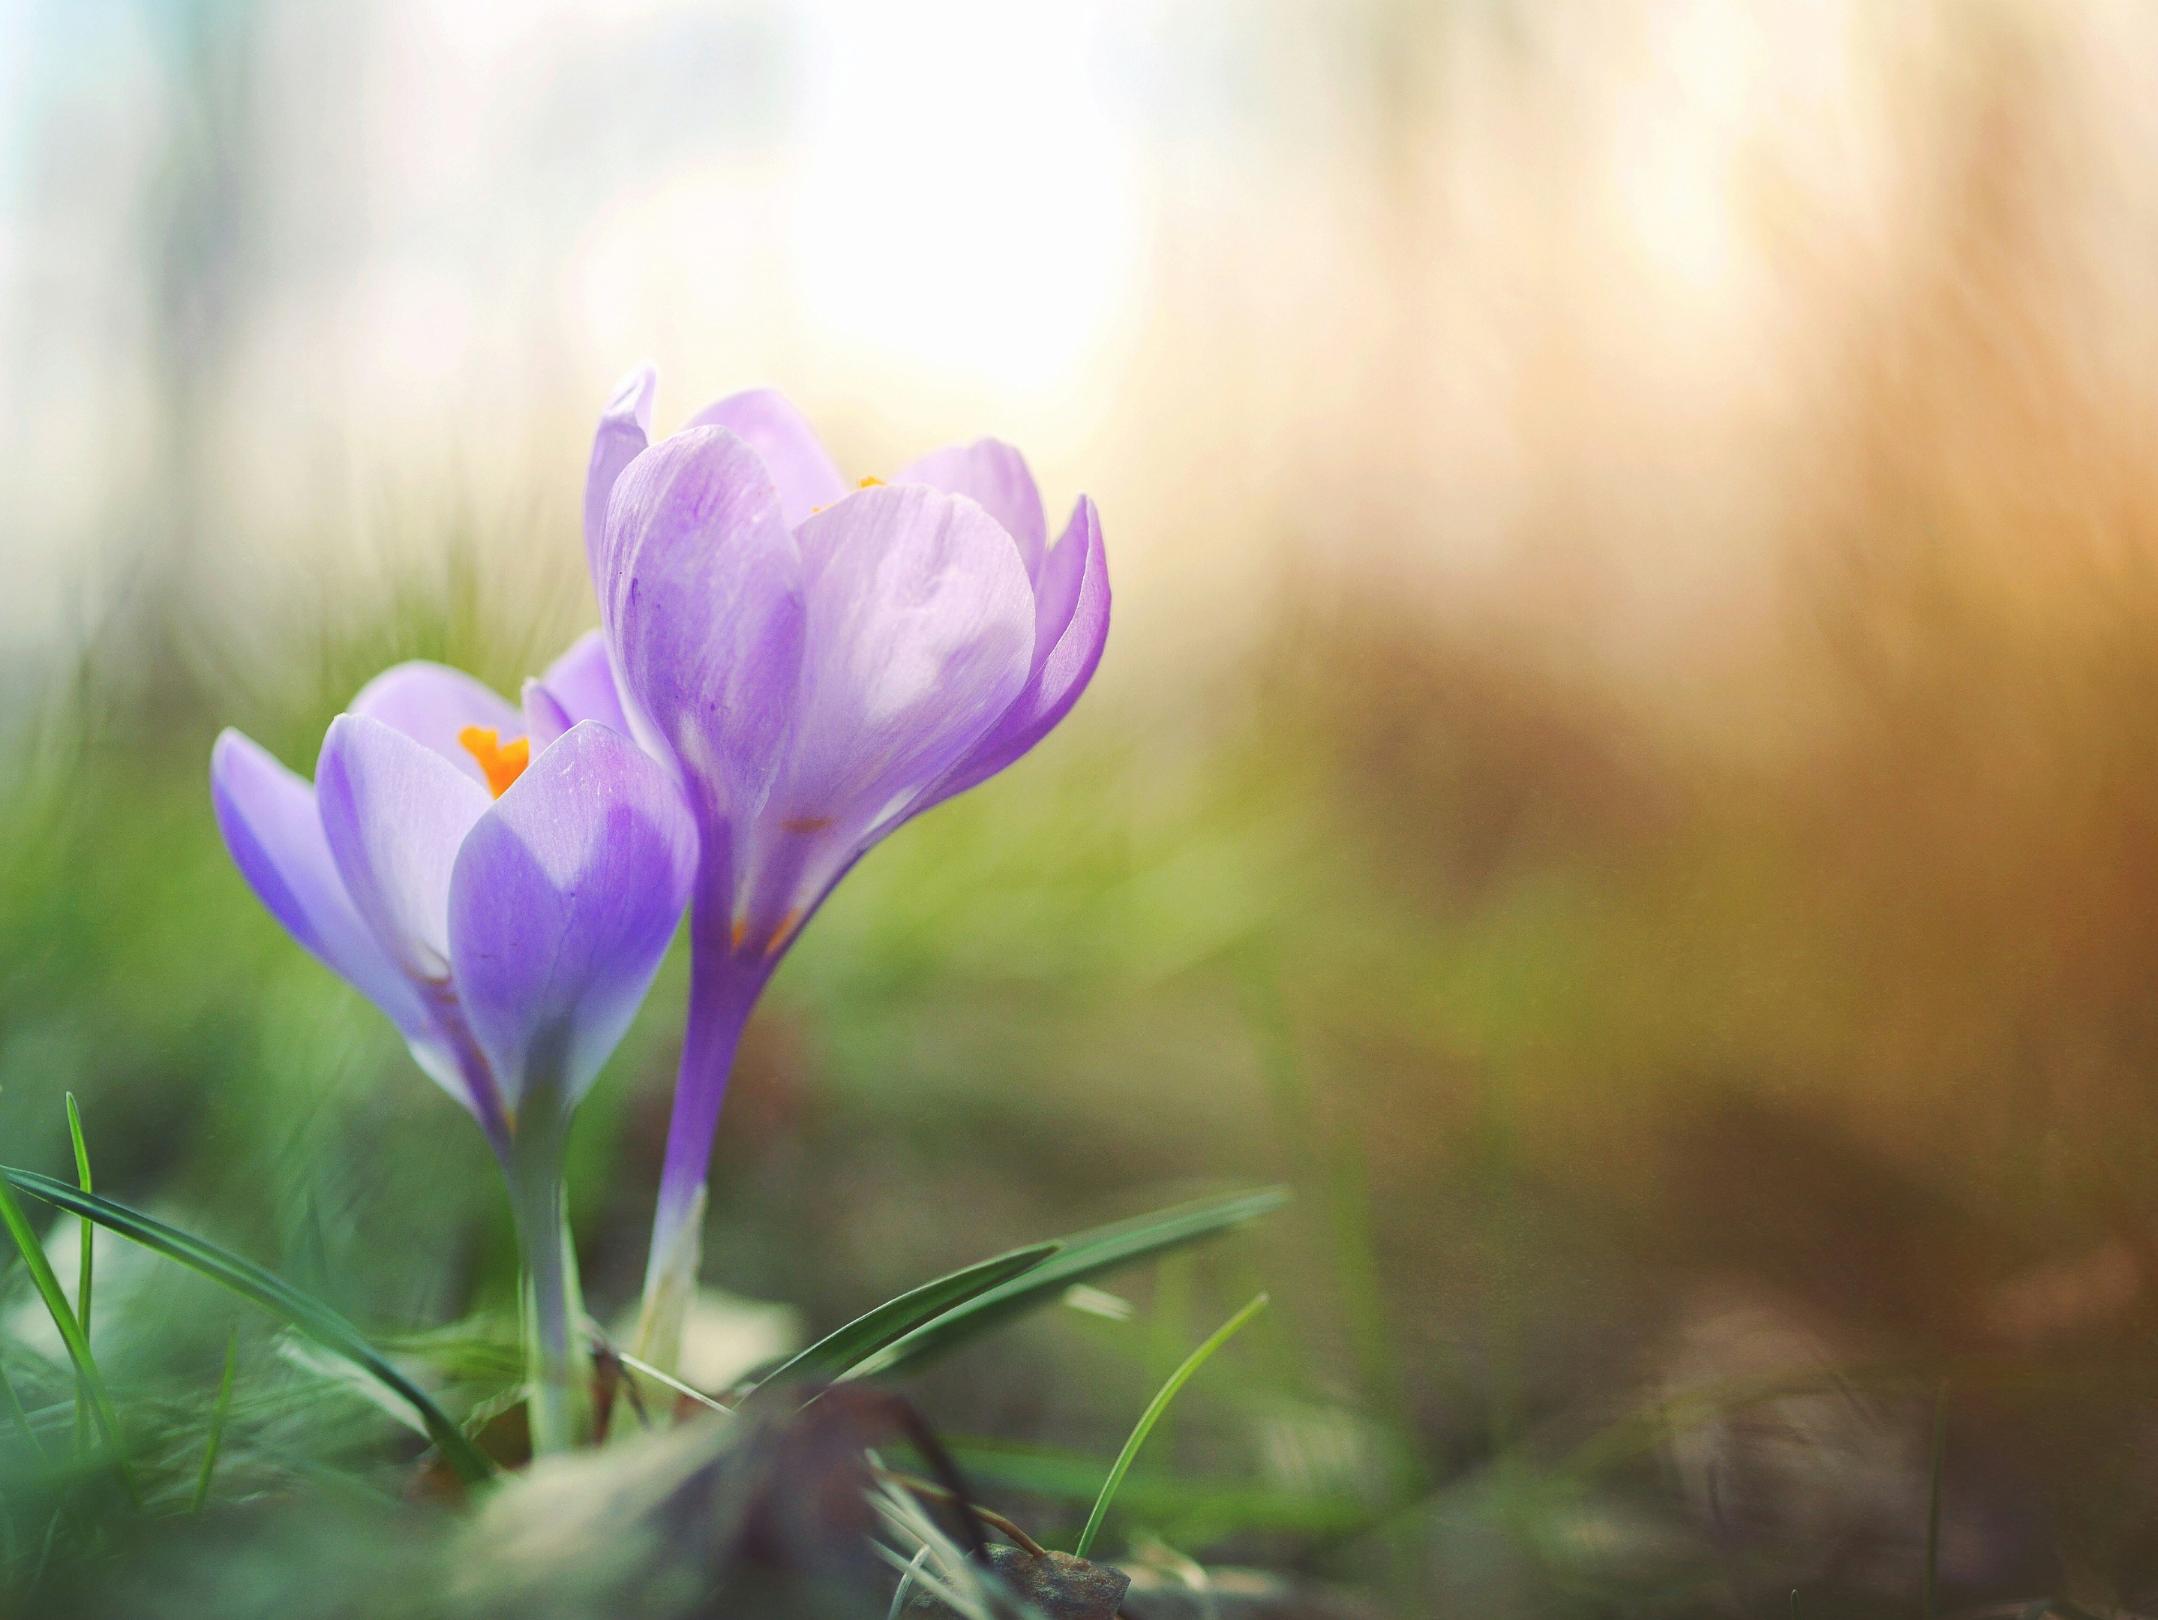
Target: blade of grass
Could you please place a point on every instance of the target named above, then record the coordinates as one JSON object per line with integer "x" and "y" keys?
{"x": 1080, "y": 1257}
{"x": 304, "y": 1312}
{"x": 63, "y": 1318}
{"x": 1170, "y": 1321}
{"x": 1152, "y": 1415}
{"x": 645, "y": 1369}
{"x": 18, "y": 1416}
{"x": 217, "y": 1423}
{"x": 86, "y": 1264}
{"x": 842, "y": 1350}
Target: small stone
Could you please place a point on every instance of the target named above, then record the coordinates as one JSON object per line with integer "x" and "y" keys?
{"x": 1059, "y": 1586}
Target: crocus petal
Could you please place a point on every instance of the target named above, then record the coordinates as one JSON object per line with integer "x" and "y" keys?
{"x": 1071, "y": 627}
{"x": 995, "y": 475}
{"x": 268, "y": 817}
{"x": 701, "y": 602}
{"x": 563, "y": 900}
{"x": 802, "y": 470}
{"x": 625, "y": 428}
{"x": 394, "y": 814}
{"x": 545, "y": 716}
{"x": 920, "y": 631}
{"x": 577, "y": 686}
{"x": 432, "y": 704}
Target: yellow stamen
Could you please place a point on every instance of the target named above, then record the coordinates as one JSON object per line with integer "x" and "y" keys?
{"x": 500, "y": 762}
{"x": 867, "y": 483}
{"x": 738, "y": 933}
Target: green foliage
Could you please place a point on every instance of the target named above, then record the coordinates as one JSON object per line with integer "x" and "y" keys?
{"x": 66, "y": 1321}
{"x": 844, "y": 1350}
{"x": 1078, "y": 1258}
{"x": 311, "y": 1316}
{"x": 86, "y": 1269}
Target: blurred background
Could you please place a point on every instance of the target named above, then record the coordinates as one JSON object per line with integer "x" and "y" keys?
{"x": 1626, "y": 771}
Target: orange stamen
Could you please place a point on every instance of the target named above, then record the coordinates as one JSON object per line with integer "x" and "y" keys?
{"x": 867, "y": 483}
{"x": 500, "y": 762}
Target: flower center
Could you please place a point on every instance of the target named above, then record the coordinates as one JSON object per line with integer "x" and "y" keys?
{"x": 500, "y": 762}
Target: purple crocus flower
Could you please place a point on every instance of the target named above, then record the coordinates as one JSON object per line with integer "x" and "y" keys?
{"x": 821, "y": 663}
{"x": 504, "y": 902}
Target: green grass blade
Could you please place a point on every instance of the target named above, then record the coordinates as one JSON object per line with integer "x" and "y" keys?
{"x": 85, "y": 1271}
{"x": 844, "y": 1349}
{"x": 17, "y": 1415}
{"x": 667, "y": 1380}
{"x": 217, "y": 1424}
{"x": 1082, "y": 1256}
{"x": 304, "y": 1312}
{"x": 1152, "y": 1415}
{"x": 63, "y": 1318}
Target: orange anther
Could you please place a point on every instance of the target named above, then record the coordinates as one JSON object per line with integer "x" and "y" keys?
{"x": 500, "y": 762}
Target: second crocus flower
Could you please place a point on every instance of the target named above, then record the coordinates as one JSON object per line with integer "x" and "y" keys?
{"x": 820, "y": 663}
{"x": 503, "y": 887}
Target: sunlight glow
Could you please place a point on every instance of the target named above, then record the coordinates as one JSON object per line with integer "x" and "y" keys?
{"x": 965, "y": 201}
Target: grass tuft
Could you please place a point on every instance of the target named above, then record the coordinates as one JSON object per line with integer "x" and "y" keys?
{"x": 71, "y": 1334}
{"x": 303, "y": 1311}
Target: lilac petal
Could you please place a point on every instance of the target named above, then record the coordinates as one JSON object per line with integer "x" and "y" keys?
{"x": 1070, "y": 629}
{"x": 394, "y": 814}
{"x": 701, "y": 600}
{"x": 564, "y": 898}
{"x": 921, "y": 626}
{"x": 920, "y": 631}
{"x": 625, "y": 428}
{"x": 577, "y": 686}
{"x": 268, "y": 817}
{"x": 432, "y": 703}
{"x": 994, "y": 475}
{"x": 545, "y": 716}
{"x": 802, "y": 470}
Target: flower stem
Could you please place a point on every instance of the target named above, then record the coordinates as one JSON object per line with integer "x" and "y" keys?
{"x": 560, "y": 1409}
{"x": 723, "y": 988}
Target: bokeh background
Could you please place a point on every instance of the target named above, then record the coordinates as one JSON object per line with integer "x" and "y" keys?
{"x": 1626, "y": 770}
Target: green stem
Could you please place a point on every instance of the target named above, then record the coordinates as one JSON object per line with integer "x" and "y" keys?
{"x": 84, "y": 1268}
{"x": 560, "y": 1409}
